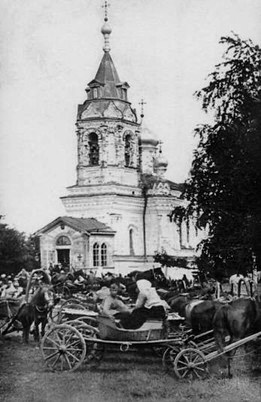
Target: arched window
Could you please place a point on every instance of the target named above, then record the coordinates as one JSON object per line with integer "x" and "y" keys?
{"x": 131, "y": 242}
{"x": 96, "y": 255}
{"x": 63, "y": 241}
{"x": 127, "y": 150}
{"x": 104, "y": 255}
{"x": 188, "y": 231}
{"x": 94, "y": 149}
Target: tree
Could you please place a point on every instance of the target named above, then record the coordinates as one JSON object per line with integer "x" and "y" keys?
{"x": 168, "y": 261}
{"x": 224, "y": 186}
{"x": 16, "y": 250}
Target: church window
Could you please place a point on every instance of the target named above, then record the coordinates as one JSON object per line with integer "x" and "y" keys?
{"x": 63, "y": 241}
{"x": 104, "y": 255}
{"x": 131, "y": 242}
{"x": 94, "y": 149}
{"x": 96, "y": 255}
{"x": 124, "y": 93}
{"x": 187, "y": 230}
{"x": 127, "y": 150}
{"x": 95, "y": 92}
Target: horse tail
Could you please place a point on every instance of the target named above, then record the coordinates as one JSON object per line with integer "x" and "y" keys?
{"x": 221, "y": 326}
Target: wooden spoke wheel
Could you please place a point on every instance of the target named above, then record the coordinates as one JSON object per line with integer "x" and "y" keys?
{"x": 87, "y": 331}
{"x": 190, "y": 363}
{"x": 88, "y": 320}
{"x": 63, "y": 348}
{"x": 94, "y": 350}
{"x": 169, "y": 356}
{"x": 68, "y": 304}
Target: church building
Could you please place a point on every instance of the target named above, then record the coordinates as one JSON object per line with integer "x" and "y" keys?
{"x": 118, "y": 211}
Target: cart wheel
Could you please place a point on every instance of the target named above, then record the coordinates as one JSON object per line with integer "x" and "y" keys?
{"x": 63, "y": 348}
{"x": 88, "y": 320}
{"x": 70, "y": 303}
{"x": 94, "y": 350}
{"x": 190, "y": 363}
{"x": 87, "y": 331}
{"x": 169, "y": 357}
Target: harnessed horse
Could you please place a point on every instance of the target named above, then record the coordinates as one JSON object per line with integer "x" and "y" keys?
{"x": 154, "y": 275}
{"x": 238, "y": 319}
{"x": 36, "y": 311}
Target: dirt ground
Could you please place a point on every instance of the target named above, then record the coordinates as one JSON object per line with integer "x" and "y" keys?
{"x": 135, "y": 376}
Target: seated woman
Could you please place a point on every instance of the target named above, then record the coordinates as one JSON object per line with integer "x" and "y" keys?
{"x": 148, "y": 306}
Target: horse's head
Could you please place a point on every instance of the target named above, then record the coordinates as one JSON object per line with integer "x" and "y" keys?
{"x": 160, "y": 279}
{"x": 44, "y": 296}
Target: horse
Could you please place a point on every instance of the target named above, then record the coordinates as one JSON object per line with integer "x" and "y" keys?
{"x": 198, "y": 312}
{"x": 36, "y": 311}
{"x": 238, "y": 319}
{"x": 154, "y": 275}
{"x": 66, "y": 282}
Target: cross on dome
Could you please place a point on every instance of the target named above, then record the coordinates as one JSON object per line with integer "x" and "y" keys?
{"x": 142, "y": 103}
{"x": 105, "y": 6}
{"x": 106, "y": 29}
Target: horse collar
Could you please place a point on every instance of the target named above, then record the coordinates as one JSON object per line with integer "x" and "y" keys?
{"x": 41, "y": 309}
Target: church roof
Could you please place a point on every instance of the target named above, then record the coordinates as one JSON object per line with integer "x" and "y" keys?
{"x": 149, "y": 180}
{"x": 108, "y": 78}
{"x": 87, "y": 225}
{"x": 107, "y": 71}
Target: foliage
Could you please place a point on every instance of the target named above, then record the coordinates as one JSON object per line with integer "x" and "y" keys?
{"x": 166, "y": 260}
{"x": 33, "y": 253}
{"x": 16, "y": 250}
{"x": 224, "y": 186}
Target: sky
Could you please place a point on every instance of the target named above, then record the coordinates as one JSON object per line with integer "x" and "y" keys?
{"x": 49, "y": 52}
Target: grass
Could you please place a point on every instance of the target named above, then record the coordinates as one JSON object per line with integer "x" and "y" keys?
{"x": 128, "y": 377}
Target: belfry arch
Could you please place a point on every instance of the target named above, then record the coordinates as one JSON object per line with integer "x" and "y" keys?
{"x": 93, "y": 143}
{"x": 129, "y": 148}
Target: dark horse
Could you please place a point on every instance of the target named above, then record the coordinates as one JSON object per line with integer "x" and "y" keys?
{"x": 198, "y": 313}
{"x": 238, "y": 319}
{"x": 154, "y": 275}
{"x": 36, "y": 311}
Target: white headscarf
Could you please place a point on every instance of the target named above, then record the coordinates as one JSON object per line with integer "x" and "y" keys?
{"x": 144, "y": 285}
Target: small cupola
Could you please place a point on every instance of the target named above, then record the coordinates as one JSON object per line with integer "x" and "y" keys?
{"x": 148, "y": 147}
{"x": 160, "y": 164}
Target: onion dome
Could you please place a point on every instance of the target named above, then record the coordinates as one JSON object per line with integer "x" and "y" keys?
{"x": 160, "y": 164}
{"x": 148, "y": 137}
{"x": 160, "y": 161}
{"x": 106, "y": 29}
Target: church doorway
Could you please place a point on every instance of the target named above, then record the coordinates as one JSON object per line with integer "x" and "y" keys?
{"x": 63, "y": 257}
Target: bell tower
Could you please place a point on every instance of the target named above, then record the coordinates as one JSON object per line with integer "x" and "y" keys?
{"x": 107, "y": 128}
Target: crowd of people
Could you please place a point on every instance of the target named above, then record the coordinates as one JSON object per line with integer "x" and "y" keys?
{"x": 114, "y": 300}
{"x": 10, "y": 287}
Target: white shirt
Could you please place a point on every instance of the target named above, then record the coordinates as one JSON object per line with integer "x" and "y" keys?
{"x": 234, "y": 281}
